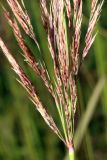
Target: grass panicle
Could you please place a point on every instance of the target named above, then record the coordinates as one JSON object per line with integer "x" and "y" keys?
{"x": 62, "y": 22}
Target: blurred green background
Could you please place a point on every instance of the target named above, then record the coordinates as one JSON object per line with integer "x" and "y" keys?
{"x": 23, "y": 133}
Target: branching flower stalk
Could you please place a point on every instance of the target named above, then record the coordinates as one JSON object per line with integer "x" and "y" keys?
{"x": 62, "y": 21}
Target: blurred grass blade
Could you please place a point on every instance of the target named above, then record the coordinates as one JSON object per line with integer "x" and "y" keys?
{"x": 83, "y": 124}
{"x": 101, "y": 64}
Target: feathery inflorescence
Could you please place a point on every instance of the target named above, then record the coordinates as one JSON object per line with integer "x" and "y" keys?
{"x": 62, "y": 22}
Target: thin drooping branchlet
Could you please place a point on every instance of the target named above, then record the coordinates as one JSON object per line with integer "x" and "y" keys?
{"x": 60, "y": 19}
{"x": 94, "y": 15}
{"x": 24, "y": 80}
{"x": 76, "y": 39}
{"x": 22, "y": 18}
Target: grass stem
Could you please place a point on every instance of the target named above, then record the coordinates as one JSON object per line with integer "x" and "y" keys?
{"x": 71, "y": 154}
